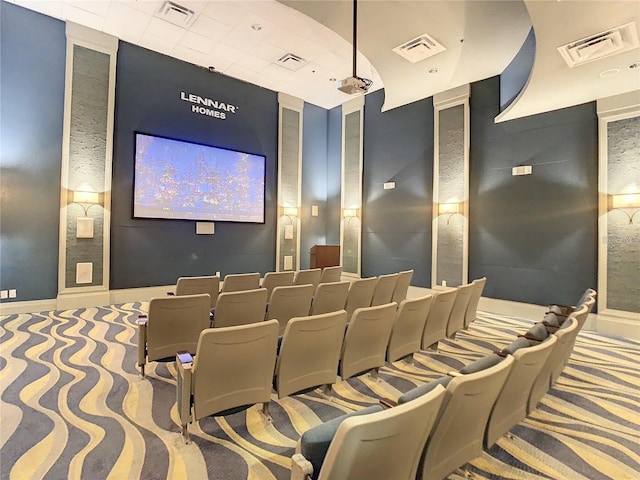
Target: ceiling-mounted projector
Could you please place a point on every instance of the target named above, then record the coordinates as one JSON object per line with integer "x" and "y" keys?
{"x": 353, "y": 85}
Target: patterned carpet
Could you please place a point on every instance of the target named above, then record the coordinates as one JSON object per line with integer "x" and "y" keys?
{"x": 73, "y": 405}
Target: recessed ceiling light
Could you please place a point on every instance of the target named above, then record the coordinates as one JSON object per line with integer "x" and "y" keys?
{"x": 433, "y": 70}
{"x": 635, "y": 65}
{"x": 257, "y": 27}
{"x": 610, "y": 73}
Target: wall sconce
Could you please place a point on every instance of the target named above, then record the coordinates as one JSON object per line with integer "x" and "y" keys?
{"x": 449, "y": 209}
{"x": 350, "y": 212}
{"x": 290, "y": 211}
{"x": 84, "y": 225}
{"x": 625, "y": 201}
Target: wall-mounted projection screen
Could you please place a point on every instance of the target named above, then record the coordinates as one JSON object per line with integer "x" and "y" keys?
{"x": 180, "y": 180}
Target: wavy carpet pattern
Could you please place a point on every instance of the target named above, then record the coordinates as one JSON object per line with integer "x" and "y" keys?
{"x": 73, "y": 405}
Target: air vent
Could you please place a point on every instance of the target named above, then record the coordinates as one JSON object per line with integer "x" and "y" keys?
{"x": 419, "y": 48}
{"x": 176, "y": 14}
{"x": 600, "y": 45}
{"x": 291, "y": 61}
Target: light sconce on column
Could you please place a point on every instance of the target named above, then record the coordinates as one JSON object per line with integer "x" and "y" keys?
{"x": 290, "y": 211}
{"x": 625, "y": 201}
{"x": 84, "y": 225}
{"x": 449, "y": 209}
{"x": 350, "y": 212}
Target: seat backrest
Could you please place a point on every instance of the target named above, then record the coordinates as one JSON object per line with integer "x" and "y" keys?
{"x": 383, "y": 445}
{"x": 308, "y": 277}
{"x": 402, "y": 286}
{"x": 555, "y": 362}
{"x": 366, "y": 340}
{"x": 233, "y": 367}
{"x": 272, "y": 280}
{"x": 435, "y": 329}
{"x": 289, "y": 302}
{"x": 406, "y": 334}
{"x": 458, "y": 434}
{"x": 310, "y": 352}
{"x": 330, "y": 297}
{"x": 383, "y": 292}
{"x": 331, "y": 274}
{"x": 174, "y": 324}
{"x": 241, "y": 281}
{"x": 360, "y": 294}
{"x": 589, "y": 292}
{"x": 511, "y": 406}
{"x": 196, "y": 285}
{"x": 459, "y": 309}
{"x": 240, "y": 308}
{"x": 472, "y": 309}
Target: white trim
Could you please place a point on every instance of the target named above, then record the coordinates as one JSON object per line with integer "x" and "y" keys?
{"x": 352, "y": 106}
{"x": 442, "y": 101}
{"x": 297, "y": 105}
{"x": 90, "y": 38}
{"x": 142, "y": 294}
{"x": 83, "y": 300}
{"x": 31, "y": 306}
{"x": 611, "y": 109}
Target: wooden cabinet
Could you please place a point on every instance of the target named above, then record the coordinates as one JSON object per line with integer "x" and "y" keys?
{"x": 324, "y": 256}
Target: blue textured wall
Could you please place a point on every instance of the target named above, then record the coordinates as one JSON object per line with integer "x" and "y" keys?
{"x": 314, "y": 180}
{"x": 534, "y": 237}
{"x": 32, "y": 72}
{"x": 155, "y": 252}
{"x": 398, "y": 147}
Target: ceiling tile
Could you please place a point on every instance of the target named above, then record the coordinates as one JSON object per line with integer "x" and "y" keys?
{"x": 150, "y": 7}
{"x": 83, "y": 17}
{"x": 252, "y": 62}
{"x": 239, "y": 72}
{"x": 285, "y": 39}
{"x": 123, "y": 31}
{"x": 159, "y": 44}
{"x": 210, "y": 28}
{"x": 188, "y": 54}
{"x": 99, "y": 7}
{"x": 160, "y": 28}
{"x": 197, "y": 42}
{"x": 226, "y": 12}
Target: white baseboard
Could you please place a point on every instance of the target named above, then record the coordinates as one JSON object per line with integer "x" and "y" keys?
{"x": 68, "y": 301}
{"x": 618, "y": 327}
{"x": 31, "y": 306}
{"x": 142, "y": 294}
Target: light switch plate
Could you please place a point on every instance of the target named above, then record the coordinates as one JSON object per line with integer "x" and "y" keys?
{"x": 314, "y": 210}
{"x": 84, "y": 273}
{"x": 288, "y": 232}
{"x": 84, "y": 227}
{"x": 205, "y": 228}
{"x": 288, "y": 262}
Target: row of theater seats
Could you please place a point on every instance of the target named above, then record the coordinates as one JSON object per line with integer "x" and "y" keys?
{"x": 243, "y": 363}
{"x": 435, "y": 429}
{"x": 164, "y": 331}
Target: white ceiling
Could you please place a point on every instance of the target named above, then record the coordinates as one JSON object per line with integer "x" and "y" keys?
{"x": 243, "y": 39}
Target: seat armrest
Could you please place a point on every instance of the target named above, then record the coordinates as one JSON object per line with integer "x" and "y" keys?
{"x": 184, "y": 358}
{"x": 142, "y": 319}
{"x": 183, "y": 390}
{"x": 142, "y": 341}
{"x": 301, "y": 468}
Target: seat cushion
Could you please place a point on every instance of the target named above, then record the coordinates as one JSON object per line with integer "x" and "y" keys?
{"x": 516, "y": 345}
{"x": 538, "y": 332}
{"x": 422, "y": 389}
{"x": 314, "y": 443}
{"x": 481, "y": 364}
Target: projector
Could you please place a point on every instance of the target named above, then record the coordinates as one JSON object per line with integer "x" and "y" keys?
{"x": 353, "y": 85}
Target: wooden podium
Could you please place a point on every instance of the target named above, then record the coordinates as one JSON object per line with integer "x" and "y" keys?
{"x": 324, "y": 256}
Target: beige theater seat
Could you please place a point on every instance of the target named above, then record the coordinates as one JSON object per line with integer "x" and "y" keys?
{"x": 511, "y": 406}
{"x": 309, "y": 353}
{"x": 406, "y": 335}
{"x": 555, "y": 362}
{"x": 331, "y": 274}
{"x": 383, "y": 292}
{"x": 171, "y": 325}
{"x": 272, "y": 280}
{"x": 402, "y": 286}
{"x": 366, "y": 340}
{"x": 197, "y": 285}
{"x": 458, "y": 433}
{"x": 232, "y": 370}
{"x": 459, "y": 309}
{"x": 381, "y": 445}
{"x": 240, "y": 308}
{"x": 360, "y": 294}
{"x": 435, "y": 328}
{"x": 241, "y": 281}
{"x": 289, "y": 302}
{"x": 308, "y": 277}
{"x": 472, "y": 309}
{"x": 330, "y": 297}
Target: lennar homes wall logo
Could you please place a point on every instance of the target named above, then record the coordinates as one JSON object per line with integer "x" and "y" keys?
{"x": 207, "y": 106}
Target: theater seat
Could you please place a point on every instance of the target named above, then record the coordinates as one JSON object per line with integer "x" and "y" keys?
{"x": 383, "y": 291}
{"x": 232, "y": 371}
{"x": 171, "y": 324}
{"x": 472, "y": 309}
{"x": 241, "y": 281}
{"x": 289, "y": 302}
{"x": 272, "y": 280}
{"x": 240, "y": 308}
{"x": 331, "y": 274}
{"x": 329, "y": 297}
{"x": 196, "y": 285}
{"x": 371, "y": 444}
{"x": 402, "y": 286}
{"x": 406, "y": 334}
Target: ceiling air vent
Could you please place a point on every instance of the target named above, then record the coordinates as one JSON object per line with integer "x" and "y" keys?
{"x": 419, "y": 48}
{"x": 291, "y": 61}
{"x": 176, "y": 14}
{"x": 600, "y": 45}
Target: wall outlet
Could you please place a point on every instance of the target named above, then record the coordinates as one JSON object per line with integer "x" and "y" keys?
{"x": 389, "y": 185}
{"x": 444, "y": 283}
{"x": 13, "y": 293}
{"x": 4, "y": 294}
{"x": 314, "y": 210}
{"x": 218, "y": 274}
